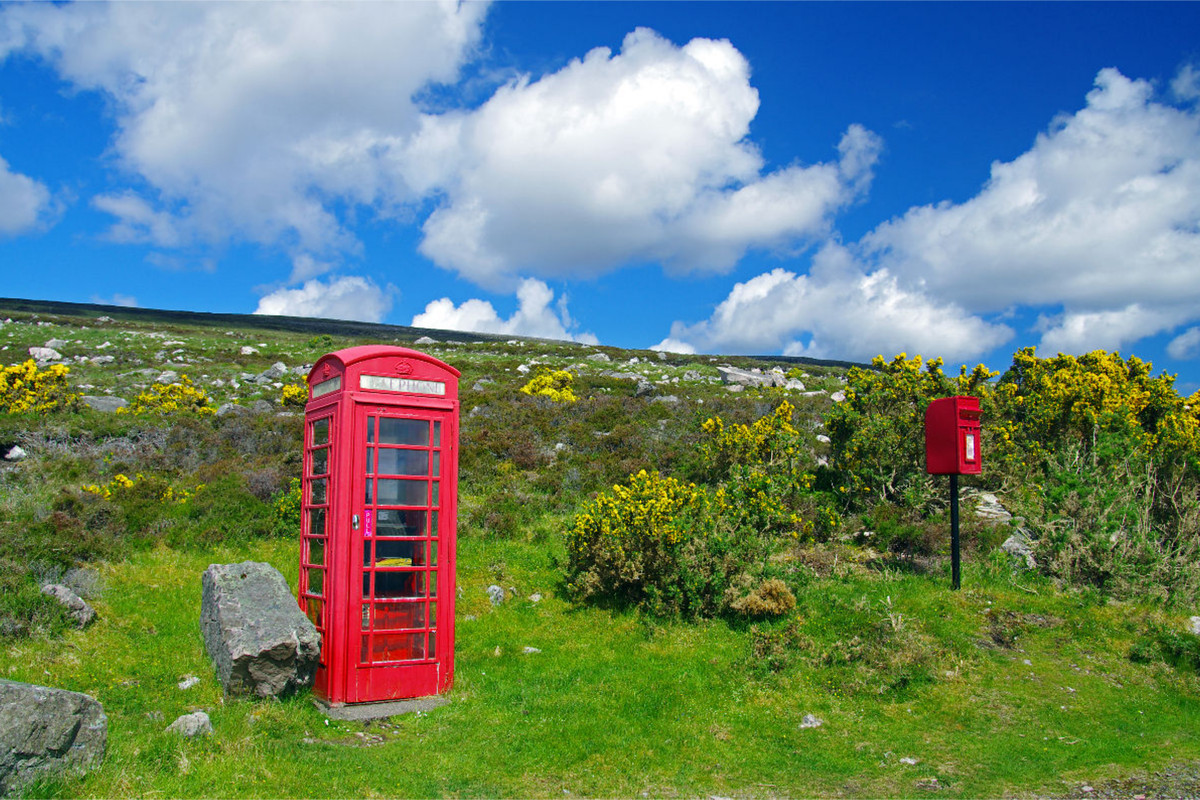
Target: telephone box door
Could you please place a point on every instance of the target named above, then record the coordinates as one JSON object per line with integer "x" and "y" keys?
{"x": 401, "y": 605}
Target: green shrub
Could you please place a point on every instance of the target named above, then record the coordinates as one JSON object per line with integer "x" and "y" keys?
{"x": 286, "y": 509}
{"x": 174, "y": 398}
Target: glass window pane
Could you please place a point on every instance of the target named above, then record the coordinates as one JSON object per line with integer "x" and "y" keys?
{"x": 403, "y": 431}
{"x": 320, "y": 461}
{"x": 432, "y": 614}
{"x": 399, "y": 553}
{"x": 313, "y": 608}
{"x": 370, "y": 460}
{"x": 433, "y": 584}
{"x": 370, "y": 430}
{"x": 437, "y": 434}
{"x": 370, "y": 491}
{"x": 435, "y": 530}
{"x": 432, "y": 645}
{"x": 316, "y": 495}
{"x": 436, "y": 486}
{"x": 366, "y": 616}
{"x": 320, "y": 431}
{"x": 316, "y": 581}
{"x": 433, "y": 553}
{"x": 403, "y": 462}
{"x": 366, "y": 585}
{"x": 402, "y": 493}
{"x": 398, "y": 647}
{"x": 437, "y": 464}
{"x": 394, "y": 616}
{"x": 364, "y": 653}
{"x": 400, "y": 584}
{"x": 400, "y": 522}
{"x": 316, "y": 552}
{"x": 366, "y": 553}
{"x": 316, "y": 522}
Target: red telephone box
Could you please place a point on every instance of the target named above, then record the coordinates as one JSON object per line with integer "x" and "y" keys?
{"x": 952, "y": 436}
{"x": 379, "y": 522}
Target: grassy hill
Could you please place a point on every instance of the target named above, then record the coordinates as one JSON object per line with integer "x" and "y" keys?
{"x": 1018, "y": 685}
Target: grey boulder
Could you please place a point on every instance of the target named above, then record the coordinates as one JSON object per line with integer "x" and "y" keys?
{"x": 190, "y": 725}
{"x": 1020, "y": 547}
{"x": 76, "y": 606}
{"x": 258, "y": 639}
{"x": 45, "y": 732}
{"x": 104, "y": 402}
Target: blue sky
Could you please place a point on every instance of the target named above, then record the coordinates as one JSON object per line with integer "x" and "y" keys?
{"x": 834, "y": 180}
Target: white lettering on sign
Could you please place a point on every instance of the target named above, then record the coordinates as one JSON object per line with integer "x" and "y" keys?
{"x": 411, "y": 385}
{"x": 970, "y": 447}
{"x": 325, "y": 387}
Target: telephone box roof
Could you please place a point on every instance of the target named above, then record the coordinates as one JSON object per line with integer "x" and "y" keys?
{"x": 352, "y": 355}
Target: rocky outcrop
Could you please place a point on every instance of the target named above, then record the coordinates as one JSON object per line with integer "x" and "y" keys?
{"x": 259, "y": 641}
{"x": 47, "y": 731}
{"x": 77, "y": 608}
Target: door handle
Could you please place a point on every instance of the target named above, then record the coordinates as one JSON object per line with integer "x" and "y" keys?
{"x": 354, "y": 521}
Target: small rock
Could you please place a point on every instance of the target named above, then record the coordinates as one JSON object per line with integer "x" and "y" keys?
{"x": 495, "y": 594}
{"x": 481, "y": 384}
{"x": 44, "y": 354}
{"x": 425, "y": 340}
{"x": 99, "y": 360}
{"x": 76, "y": 606}
{"x": 262, "y": 407}
{"x": 823, "y": 439}
{"x": 990, "y": 509}
{"x": 190, "y": 725}
{"x": 535, "y": 598}
{"x": 669, "y": 399}
{"x": 523, "y": 369}
{"x": 57, "y": 344}
{"x": 530, "y": 650}
{"x": 910, "y": 760}
{"x": 838, "y": 397}
{"x": 599, "y": 357}
{"x": 1020, "y": 547}
{"x": 103, "y": 402}
{"x": 188, "y": 682}
{"x": 644, "y": 388}
{"x": 735, "y": 387}
{"x": 247, "y": 350}
{"x": 272, "y": 373}
{"x": 497, "y": 651}
{"x": 17, "y": 453}
{"x": 811, "y": 721}
{"x": 1194, "y": 625}
{"x": 231, "y": 408}
{"x": 167, "y": 377}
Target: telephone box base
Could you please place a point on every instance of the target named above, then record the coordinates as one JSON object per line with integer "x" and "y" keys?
{"x": 357, "y": 712}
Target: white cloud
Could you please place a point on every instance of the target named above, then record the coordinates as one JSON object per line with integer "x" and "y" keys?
{"x": 534, "y": 316}
{"x": 636, "y": 156}
{"x": 835, "y": 313}
{"x": 1186, "y": 345}
{"x": 1100, "y": 218}
{"x": 252, "y": 120}
{"x": 1103, "y": 211}
{"x": 349, "y": 297}
{"x": 118, "y": 299}
{"x": 24, "y": 202}
{"x": 1186, "y": 85}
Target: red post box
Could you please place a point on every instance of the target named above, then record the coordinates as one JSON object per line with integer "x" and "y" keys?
{"x": 379, "y": 522}
{"x": 952, "y": 437}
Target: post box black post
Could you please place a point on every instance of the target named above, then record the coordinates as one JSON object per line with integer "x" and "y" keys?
{"x": 952, "y": 448}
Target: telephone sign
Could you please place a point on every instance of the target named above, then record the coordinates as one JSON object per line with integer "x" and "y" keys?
{"x": 378, "y": 529}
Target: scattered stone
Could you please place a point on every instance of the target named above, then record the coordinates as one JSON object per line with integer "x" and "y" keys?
{"x": 599, "y": 357}
{"x": 735, "y": 387}
{"x": 910, "y": 760}
{"x": 530, "y": 650}
{"x": 989, "y": 509}
{"x": 424, "y": 340}
{"x": 17, "y": 453}
{"x": 46, "y": 731}
{"x": 44, "y": 354}
{"x": 742, "y": 377}
{"x": 104, "y": 319}
{"x": 1020, "y": 547}
{"x": 272, "y": 373}
{"x": 838, "y": 397}
{"x": 191, "y": 725}
{"x": 669, "y": 399}
{"x": 811, "y": 721}
{"x": 794, "y": 385}
{"x": 523, "y": 369}
{"x": 644, "y": 388}
{"x": 167, "y": 377}
{"x": 188, "y": 682}
{"x": 102, "y": 360}
{"x": 262, "y": 407}
{"x": 495, "y": 594}
{"x": 928, "y": 784}
{"x": 537, "y": 598}
{"x": 247, "y": 350}
{"x": 823, "y": 439}
{"x": 76, "y": 606}
{"x": 103, "y": 402}
{"x": 481, "y": 384}
{"x": 1194, "y": 625}
{"x": 258, "y": 639}
{"x": 57, "y": 344}
{"x": 692, "y": 375}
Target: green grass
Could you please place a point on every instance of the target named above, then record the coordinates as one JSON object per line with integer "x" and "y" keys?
{"x": 619, "y": 705}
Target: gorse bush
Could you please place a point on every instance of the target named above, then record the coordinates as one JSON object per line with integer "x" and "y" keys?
{"x": 25, "y": 388}
{"x": 554, "y": 385}
{"x": 174, "y": 398}
{"x": 293, "y": 395}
